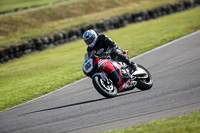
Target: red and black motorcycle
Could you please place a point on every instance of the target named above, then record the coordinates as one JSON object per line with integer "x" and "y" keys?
{"x": 111, "y": 77}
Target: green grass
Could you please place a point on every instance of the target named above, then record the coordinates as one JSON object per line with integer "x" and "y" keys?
{"x": 42, "y": 72}
{"x": 47, "y": 20}
{"x": 7, "y": 5}
{"x": 189, "y": 123}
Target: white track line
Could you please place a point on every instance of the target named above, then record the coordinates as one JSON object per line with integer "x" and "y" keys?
{"x": 157, "y": 48}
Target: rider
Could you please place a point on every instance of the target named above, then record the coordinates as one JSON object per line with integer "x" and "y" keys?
{"x": 103, "y": 44}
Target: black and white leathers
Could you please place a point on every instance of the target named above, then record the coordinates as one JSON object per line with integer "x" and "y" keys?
{"x": 105, "y": 44}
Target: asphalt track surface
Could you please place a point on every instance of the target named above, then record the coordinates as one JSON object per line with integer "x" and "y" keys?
{"x": 79, "y": 108}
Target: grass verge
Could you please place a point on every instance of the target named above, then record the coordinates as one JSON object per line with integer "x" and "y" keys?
{"x": 47, "y": 20}
{"x": 181, "y": 124}
{"x": 42, "y": 72}
{"x": 7, "y": 5}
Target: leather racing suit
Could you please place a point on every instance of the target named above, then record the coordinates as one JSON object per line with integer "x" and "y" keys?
{"x": 105, "y": 44}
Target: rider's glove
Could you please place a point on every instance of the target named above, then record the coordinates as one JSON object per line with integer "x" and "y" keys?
{"x": 105, "y": 53}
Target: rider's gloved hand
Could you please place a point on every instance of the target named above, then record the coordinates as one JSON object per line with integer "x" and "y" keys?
{"x": 105, "y": 53}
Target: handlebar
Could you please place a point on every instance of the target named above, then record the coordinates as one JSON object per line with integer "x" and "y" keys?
{"x": 104, "y": 55}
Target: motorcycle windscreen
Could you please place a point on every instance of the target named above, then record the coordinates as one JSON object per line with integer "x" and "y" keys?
{"x": 89, "y": 55}
{"x": 86, "y": 57}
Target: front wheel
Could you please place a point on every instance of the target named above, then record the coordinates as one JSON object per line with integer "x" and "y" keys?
{"x": 108, "y": 90}
{"x": 145, "y": 83}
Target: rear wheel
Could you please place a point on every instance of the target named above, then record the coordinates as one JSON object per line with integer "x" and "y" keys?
{"x": 145, "y": 83}
{"x": 106, "y": 89}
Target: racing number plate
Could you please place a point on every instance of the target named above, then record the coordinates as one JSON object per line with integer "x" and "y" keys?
{"x": 87, "y": 66}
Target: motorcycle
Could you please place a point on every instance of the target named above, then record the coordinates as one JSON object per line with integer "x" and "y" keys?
{"x": 111, "y": 77}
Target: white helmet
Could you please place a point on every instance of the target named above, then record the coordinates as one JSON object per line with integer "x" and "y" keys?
{"x": 90, "y": 37}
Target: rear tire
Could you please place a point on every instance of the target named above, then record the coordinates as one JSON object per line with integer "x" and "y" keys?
{"x": 108, "y": 91}
{"x": 144, "y": 83}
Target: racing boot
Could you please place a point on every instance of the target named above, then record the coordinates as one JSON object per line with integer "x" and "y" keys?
{"x": 133, "y": 66}
{"x": 138, "y": 71}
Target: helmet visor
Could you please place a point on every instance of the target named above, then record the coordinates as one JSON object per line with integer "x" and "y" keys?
{"x": 89, "y": 41}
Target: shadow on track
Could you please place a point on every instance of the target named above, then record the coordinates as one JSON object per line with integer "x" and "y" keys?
{"x": 76, "y": 104}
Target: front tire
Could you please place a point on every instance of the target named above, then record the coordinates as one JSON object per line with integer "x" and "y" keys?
{"x": 144, "y": 83}
{"x": 107, "y": 90}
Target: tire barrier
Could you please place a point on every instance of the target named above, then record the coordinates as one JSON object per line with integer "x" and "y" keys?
{"x": 17, "y": 10}
{"x": 26, "y": 8}
{"x": 43, "y": 43}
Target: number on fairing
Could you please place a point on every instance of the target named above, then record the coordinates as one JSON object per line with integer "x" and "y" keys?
{"x": 87, "y": 66}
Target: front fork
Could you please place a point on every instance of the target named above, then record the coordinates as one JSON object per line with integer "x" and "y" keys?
{"x": 103, "y": 76}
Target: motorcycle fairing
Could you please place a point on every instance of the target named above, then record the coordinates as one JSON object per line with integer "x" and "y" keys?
{"x": 88, "y": 66}
{"x": 113, "y": 69}
{"x": 96, "y": 60}
{"x": 116, "y": 77}
{"x": 107, "y": 65}
{"x": 124, "y": 85}
{"x": 90, "y": 63}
